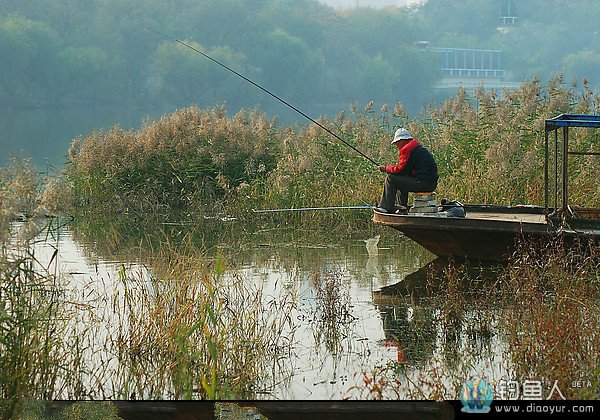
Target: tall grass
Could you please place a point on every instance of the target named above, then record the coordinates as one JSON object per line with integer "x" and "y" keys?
{"x": 30, "y": 336}
{"x": 31, "y": 299}
{"x": 552, "y": 326}
{"x": 37, "y": 358}
{"x": 183, "y": 161}
{"x": 19, "y": 185}
{"x": 196, "y": 333}
{"x": 488, "y": 148}
{"x": 183, "y": 330}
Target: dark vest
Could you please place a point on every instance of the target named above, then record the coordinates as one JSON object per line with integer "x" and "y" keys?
{"x": 421, "y": 165}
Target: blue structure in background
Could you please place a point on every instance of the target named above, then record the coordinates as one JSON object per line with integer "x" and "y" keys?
{"x": 470, "y": 68}
{"x": 468, "y": 62}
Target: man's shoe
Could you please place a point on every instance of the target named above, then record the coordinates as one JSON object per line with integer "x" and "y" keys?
{"x": 401, "y": 210}
{"x": 380, "y": 210}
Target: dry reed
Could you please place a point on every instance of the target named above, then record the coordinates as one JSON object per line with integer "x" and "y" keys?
{"x": 488, "y": 147}
{"x": 196, "y": 333}
{"x": 552, "y": 323}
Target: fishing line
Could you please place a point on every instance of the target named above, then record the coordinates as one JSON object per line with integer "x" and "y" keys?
{"x": 313, "y": 208}
{"x": 283, "y": 101}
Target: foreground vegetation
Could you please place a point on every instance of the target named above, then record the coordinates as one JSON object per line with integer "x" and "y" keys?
{"x": 552, "y": 325}
{"x": 182, "y": 329}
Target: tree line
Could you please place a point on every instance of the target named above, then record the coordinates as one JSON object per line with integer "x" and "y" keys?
{"x": 107, "y": 53}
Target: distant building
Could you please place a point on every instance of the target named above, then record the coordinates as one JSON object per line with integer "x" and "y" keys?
{"x": 470, "y": 68}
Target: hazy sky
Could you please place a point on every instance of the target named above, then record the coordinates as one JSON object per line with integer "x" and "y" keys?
{"x": 368, "y": 3}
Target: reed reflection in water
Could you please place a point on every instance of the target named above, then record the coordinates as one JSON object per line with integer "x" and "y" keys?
{"x": 340, "y": 329}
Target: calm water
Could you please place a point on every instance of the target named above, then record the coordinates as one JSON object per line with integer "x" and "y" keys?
{"x": 405, "y": 330}
{"x": 44, "y": 136}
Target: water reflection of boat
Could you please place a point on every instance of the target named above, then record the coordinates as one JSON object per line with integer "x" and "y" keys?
{"x": 413, "y": 319}
{"x": 410, "y": 332}
{"x": 489, "y": 232}
{"x": 428, "y": 280}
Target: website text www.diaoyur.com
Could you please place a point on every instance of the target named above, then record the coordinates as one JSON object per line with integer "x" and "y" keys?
{"x": 545, "y": 408}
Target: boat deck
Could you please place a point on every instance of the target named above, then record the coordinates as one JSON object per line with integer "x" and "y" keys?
{"x": 482, "y": 217}
{"x": 508, "y": 217}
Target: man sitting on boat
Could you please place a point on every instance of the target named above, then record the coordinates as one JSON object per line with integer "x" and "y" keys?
{"x": 416, "y": 171}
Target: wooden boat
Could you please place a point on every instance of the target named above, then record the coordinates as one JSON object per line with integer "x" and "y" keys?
{"x": 490, "y": 232}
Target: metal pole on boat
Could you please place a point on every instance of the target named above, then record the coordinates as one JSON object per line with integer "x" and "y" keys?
{"x": 555, "y": 169}
{"x": 565, "y": 155}
{"x": 268, "y": 92}
{"x": 546, "y": 171}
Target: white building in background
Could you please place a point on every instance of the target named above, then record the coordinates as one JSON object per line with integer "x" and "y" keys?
{"x": 350, "y": 4}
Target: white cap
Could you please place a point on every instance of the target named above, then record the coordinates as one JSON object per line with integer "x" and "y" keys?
{"x": 401, "y": 134}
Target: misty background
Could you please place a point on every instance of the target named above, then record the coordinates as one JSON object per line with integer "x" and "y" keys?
{"x": 73, "y": 66}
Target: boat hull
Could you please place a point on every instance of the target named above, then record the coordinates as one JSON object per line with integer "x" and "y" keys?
{"x": 486, "y": 233}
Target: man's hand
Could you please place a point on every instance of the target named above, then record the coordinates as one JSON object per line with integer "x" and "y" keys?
{"x": 382, "y": 168}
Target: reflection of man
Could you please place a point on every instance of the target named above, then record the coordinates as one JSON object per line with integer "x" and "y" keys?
{"x": 416, "y": 171}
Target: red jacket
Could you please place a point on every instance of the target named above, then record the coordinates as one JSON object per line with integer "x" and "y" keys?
{"x": 415, "y": 160}
{"x": 403, "y": 156}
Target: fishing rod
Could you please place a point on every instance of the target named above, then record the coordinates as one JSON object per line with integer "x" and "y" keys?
{"x": 312, "y": 208}
{"x": 283, "y": 101}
